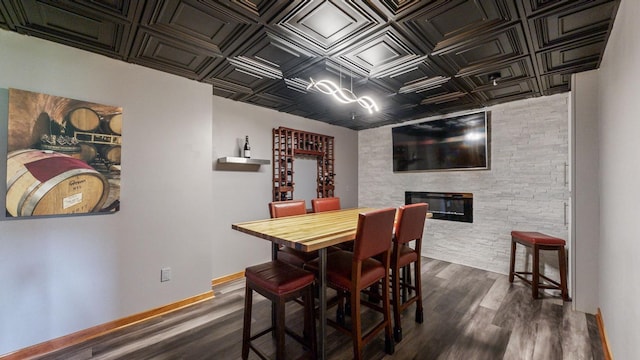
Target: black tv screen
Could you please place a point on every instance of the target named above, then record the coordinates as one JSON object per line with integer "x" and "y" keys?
{"x": 456, "y": 143}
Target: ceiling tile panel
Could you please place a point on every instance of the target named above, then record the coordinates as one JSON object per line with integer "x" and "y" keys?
{"x": 572, "y": 23}
{"x": 82, "y": 25}
{"x": 4, "y": 18}
{"x": 415, "y": 58}
{"x": 486, "y": 51}
{"x": 573, "y": 57}
{"x": 268, "y": 101}
{"x": 272, "y": 50}
{"x": 509, "y": 90}
{"x": 327, "y": 25}
{"x": 209, "y": 25}
{"x": 170, "y": 55}
{"x": 519, "y": 69}
{"x": 380, "y": 53}
{"x": 556, "y": 83}
{"x": 228, "y": 89}
{"x": 396, "y": 9}
{"x": 260, "y": 11}
{"x": 442, "y": 25}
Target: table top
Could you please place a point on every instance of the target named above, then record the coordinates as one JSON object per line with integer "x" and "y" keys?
{"x": 307, "y": 232}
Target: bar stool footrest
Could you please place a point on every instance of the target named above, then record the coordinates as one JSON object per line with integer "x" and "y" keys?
{"x": 541, "y": 285}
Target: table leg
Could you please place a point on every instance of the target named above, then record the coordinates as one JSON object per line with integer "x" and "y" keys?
{"x": 274, "y": 256}
{"x": 323, "y": 304}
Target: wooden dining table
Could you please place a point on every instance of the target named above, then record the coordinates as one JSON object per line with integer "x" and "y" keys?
{"x": 309, "y": 232}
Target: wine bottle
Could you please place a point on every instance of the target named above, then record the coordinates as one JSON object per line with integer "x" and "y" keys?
{"x": 247, "y": 148}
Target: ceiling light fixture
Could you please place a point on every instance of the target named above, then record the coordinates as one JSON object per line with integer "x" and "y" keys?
{"x": 342, "y": 95}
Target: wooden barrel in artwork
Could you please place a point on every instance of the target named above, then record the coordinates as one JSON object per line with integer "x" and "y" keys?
{"x": 50, "y": 183}
{"x": 71, "y": 150}
{"x": 112, "y": 124}
{"x": 83, "y": 119}
{"x": 111, "y": 153}
{"x": 88, "y": 152}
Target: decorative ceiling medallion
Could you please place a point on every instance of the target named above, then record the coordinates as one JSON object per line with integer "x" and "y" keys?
{"x": 328, "y": 24}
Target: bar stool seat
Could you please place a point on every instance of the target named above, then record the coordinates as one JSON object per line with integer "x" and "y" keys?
{"x": 279, "y": 282}
{"x": 539, "y": 241}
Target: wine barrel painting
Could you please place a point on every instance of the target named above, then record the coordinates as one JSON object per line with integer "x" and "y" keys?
{"x": 50, "y": 183}
{"x": 88, "y": 152}
{"x": 83, "y": 119}
{"x": 73, "y": 151}
{"x": 111, "y": 153}
{"x": 112, "y": 124}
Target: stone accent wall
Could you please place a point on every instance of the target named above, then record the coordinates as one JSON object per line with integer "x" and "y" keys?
{"x": 524, "y": 189}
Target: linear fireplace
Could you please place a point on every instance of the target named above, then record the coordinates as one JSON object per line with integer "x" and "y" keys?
{"x": 444, "y": 205}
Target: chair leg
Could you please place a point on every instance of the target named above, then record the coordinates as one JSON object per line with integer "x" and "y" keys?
{"x": 418, "y": 278}
{"x": 513, "y": 260}
{"x": 535, "y": 272}
{"x": 246, "y": 328}
{"x": 310, "y": 322}
{"x": 280, "y": 329}
{"x": 395, "y": 289}
{"x": 356, "y": 325}
{"x": 405, "y": 280}
{"x": 388, "y": 338}
{"x": 563, "y": 273}
{"x": 340, "y": 308}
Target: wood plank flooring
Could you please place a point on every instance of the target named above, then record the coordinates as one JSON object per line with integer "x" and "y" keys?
{"x": 469, "y": 314}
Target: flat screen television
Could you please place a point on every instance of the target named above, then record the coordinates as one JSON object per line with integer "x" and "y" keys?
{"x": 455, "y": 143}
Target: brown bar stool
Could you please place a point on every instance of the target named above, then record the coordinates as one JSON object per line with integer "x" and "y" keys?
{"x": 353, "y": 272}
{"x": 279, "y": 282}
{"x": 538, "y": 241}
{"x": 409, "y": 228}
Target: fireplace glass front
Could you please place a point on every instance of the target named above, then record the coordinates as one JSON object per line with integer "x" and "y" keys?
{"x": 444, "y": 205}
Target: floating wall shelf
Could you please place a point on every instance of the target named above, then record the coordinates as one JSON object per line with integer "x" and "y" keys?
{"x": 242, "y": 161}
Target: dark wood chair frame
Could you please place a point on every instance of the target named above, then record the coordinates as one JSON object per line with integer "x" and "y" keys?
{"x": 308, "y": 339}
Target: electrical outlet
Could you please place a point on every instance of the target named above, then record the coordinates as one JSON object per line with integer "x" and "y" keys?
{"x": 165, "y": 274}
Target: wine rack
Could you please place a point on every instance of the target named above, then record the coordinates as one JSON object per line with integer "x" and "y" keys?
{"x": 289, "y": 144}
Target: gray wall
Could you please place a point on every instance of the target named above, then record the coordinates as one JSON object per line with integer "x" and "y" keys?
{"x": 585, "y": 191}
{"x": 242, "y": 196}
{"x": 64, "y": 274}
{"x": 524, "y": 189}
{"x": 619, "y": 127}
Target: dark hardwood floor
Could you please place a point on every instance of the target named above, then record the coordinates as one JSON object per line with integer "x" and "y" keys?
{"x": 469, "y": 314}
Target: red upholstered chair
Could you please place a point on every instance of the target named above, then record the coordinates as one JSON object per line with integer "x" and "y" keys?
{"x": 538, "y": 241}
{"x": 330, "y": 204}
{"x": 353, "y": 272}
{"x": 409, "y": 228}
{"x": 325, "y": 204}
{"x": 279, "y": 282}
{"x": 279, "y": 209}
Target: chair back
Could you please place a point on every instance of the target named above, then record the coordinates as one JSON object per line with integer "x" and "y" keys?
{"x": 375, "y": 230}
{"x": 278, "y": 209}
{"x": 325, "y": 204}
{"x": 410, "y": 223}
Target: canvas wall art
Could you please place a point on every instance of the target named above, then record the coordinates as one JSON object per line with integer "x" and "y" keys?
{"x": 63, "y": 156}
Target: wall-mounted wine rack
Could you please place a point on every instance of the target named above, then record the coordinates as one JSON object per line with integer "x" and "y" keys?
{"x": 289, "y": 144}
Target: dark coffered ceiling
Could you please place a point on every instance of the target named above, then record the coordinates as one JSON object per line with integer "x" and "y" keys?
{"x": 415, "y": 58}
